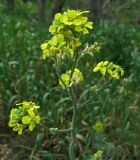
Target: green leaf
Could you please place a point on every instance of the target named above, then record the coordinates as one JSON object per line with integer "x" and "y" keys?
{"x": 62, "y": 100}
{"x": 26, "y": 120}
{"x": 81, "y": 137}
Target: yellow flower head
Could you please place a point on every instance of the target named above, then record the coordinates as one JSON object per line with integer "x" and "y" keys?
{"x": 63, "y": 29}
{"x": 75, "y": 79}
{"x": 99, "y": 127}
{"x": 98, "y": 155}
{"x": 115, "y": 71}
{"x": 25, "y": 115}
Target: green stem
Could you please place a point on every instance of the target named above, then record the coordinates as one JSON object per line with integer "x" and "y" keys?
{"x": 73, "y": 127}
{"x": 73, "y": 98}
{"x": 57, "y": 71}
{"x": 73, "y": 66}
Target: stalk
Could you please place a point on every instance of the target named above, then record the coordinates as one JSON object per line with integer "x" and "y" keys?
{"x": 73, "y": 127}
{"x": 74, "y": 65}
{"x": 73, "y": 123}
{"x": 73, "y": 98}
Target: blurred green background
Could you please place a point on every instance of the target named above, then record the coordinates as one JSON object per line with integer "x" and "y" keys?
{"x": 25, "y": 76}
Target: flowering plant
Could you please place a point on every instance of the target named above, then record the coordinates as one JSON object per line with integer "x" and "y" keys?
{"x": 66, "y": 30}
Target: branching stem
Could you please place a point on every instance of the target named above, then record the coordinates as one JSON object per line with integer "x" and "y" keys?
{"x": 73, "y": 123}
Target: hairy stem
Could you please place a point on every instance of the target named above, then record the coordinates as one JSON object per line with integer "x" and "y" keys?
{"x": 73, "y": 127}
{"x": 73, "y": 98}
{"x": 73, "y": 123}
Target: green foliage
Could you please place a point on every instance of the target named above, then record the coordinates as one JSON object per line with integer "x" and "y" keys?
{"x": 25, "y": 115}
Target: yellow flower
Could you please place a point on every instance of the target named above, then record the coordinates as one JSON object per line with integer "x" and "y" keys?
{"x": 115, "y": 71}
{"x": 63, "y": 29}
{"x": 75, "y": 79}
{"x": 25, "y": 115}
{"x": 99, "y": 127}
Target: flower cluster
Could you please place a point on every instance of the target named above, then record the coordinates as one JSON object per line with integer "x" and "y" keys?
{"x": 94, "y": 48}
{"x": 99, "y": 127}
{"x": 65, "y": 80}
{"x": 25, "y": 115}
{"x": 98, "y": 155}
{"x": 71, "y": 20}
{"x": 63, "y": 30}
{"x": 115, "y": 71}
